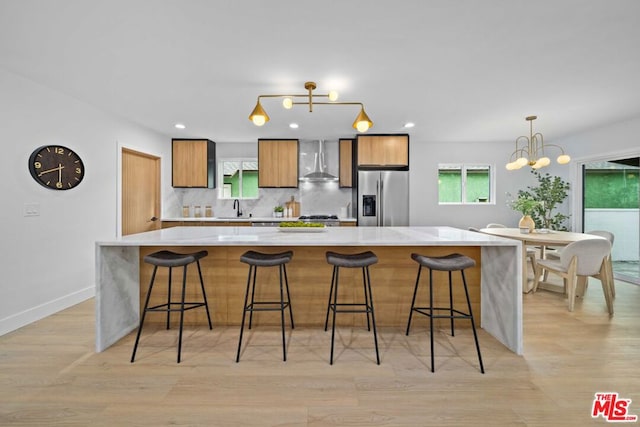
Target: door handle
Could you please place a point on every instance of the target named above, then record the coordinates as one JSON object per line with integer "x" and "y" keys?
{"x": 153, "y": 219}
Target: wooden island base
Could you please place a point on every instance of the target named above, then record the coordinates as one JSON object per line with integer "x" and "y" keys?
{"x": 392, "y": 280}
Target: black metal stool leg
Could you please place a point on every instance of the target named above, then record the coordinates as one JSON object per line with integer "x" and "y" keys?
{"x": 451, "y": 305}
{"x": 284, "y": 341}
{"x": 144, "y": 313}
{"x": 413, "y": 300}
{"x": 373, "y": 317}
{"x": 366, "y": 297}
{"x": 326, "y": 320}
{"x": 244, "y": 313}
{"x": 335, "y": 309}
{"x": 184, "y": 291}
{"x": 204, "y": 295}
{"x": 286, "y": 284}
{"x": 431, "y": 316}
{"x": 253, "y": 292}
{"x": 169, "y": 299}
{"x": 473, "y": 324}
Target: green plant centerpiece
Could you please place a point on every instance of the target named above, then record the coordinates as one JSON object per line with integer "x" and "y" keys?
{"x": 550, "y": 192}
{"x": 278, "y": 211}
{"x": 526, "y": 206}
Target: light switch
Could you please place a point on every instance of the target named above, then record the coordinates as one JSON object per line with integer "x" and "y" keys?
{"x": 32, "y": 209}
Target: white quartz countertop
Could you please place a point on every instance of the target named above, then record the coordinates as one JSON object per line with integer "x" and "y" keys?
{"x": 242, "y": 219}
{"x": 328, "y": 236}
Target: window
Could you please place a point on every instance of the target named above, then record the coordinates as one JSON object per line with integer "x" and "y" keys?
{"x": 238, "y": 178}
{"x": 465, "y": 184}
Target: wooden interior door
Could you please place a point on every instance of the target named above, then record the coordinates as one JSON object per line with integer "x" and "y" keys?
{"x": 140, "y": 192}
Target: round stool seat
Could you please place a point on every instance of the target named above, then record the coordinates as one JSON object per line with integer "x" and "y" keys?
{"x": 363, "y": 259}
{"x": 451, "y": 262}
{"x": 266, "y": 260}
{"x": 173, "y": 259}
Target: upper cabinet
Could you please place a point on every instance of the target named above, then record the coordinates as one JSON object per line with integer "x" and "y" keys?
{"x": 346, "y": 162}
{"x": 193, "y": 163}
{"x": 278, "y": 163}
{"x": 383, "y": 150}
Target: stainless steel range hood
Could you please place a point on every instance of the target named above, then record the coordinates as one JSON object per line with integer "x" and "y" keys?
{"x": 318, "y": 174}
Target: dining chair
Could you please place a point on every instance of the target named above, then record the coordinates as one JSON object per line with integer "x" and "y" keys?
{"x": 581, "y": 259}
{"x": 555, "y": 254}
{"x": 531, "y": 252}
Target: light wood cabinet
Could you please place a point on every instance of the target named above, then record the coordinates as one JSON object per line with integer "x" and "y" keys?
{"x": 193, "y": 163}
{"x": 346, "y": 163}
{"x": 277, "y": 163}
{"x": 383, "y": 150}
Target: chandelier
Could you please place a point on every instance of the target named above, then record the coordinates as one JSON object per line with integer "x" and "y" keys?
{"x": 259, "y": 117}
{"x": 531, "y": 151}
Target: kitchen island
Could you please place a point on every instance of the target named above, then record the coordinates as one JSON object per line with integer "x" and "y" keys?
{"x": 495, "y": 283}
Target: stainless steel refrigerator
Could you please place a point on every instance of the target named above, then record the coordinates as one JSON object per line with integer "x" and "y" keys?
{"x": 383, "y": 198}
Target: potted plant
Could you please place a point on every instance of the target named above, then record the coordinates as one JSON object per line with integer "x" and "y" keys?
{"x": 526, "y": 206}
{"x": 278, "y": 211}
{"x": 550, "y": 192}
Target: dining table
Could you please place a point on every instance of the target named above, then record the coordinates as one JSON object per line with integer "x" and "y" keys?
{"x": 540, "y": 238}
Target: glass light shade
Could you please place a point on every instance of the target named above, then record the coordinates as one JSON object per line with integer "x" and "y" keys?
{"x": 522, "y": 161}
{"x": 563, "y": 159}
{"x": 258, "y": 120}
{"x": 510, "y": 166}
{"x": 287, "y": 103}
{"x": 543, "y": 161}
{"x": 258, "y": 116}
{"x": 362, "y": 126}
{"x": 333, "y": 95}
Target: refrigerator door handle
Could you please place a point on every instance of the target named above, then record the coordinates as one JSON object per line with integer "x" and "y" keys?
{"x": 381, "y": 220}
{"x": 378, "y": 204}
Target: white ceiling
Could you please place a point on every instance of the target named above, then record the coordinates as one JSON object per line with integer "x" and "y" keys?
{"x": 462, "y": 70}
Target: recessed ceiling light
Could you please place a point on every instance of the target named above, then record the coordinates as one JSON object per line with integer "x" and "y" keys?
{"x": 409, "y": 125}
{"x": 179, "y": 126}
{"x": 293, "y": 126}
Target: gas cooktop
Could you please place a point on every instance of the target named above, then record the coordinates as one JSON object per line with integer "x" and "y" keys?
{"x": 318, "y": 217}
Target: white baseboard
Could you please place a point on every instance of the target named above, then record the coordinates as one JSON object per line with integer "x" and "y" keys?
{"x": 41, "y": 311}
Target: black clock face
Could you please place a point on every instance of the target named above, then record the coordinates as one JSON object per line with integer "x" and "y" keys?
{"x": 56, "y": 167}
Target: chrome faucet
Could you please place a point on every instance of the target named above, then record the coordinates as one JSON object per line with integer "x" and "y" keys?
{"x": 236, "y": 206}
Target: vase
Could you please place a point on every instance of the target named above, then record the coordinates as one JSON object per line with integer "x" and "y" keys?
{"x": 527, "y": 222}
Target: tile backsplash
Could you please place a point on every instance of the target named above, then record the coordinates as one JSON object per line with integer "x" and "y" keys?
{"x": 314, "y": 198}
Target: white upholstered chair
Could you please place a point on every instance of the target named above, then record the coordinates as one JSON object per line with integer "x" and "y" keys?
{"x": 581, "y": 259}
{"x": 555, "y": 255}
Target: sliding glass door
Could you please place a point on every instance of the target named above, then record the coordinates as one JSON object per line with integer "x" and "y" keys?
{"x": 611, "y": 201}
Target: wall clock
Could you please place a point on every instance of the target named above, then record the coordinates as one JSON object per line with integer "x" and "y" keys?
{"x": 56, "y": 167}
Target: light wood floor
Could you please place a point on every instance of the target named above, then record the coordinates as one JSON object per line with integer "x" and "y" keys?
{"x": 50, "y": 375}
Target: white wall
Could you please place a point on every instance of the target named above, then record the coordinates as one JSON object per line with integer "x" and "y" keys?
{"x": 48, "y": 261}
{"x": 424, "y": 159}
{"x": 618, "y": 138}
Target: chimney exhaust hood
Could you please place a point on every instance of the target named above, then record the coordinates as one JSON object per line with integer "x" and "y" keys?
{"x": 318, "y": 174}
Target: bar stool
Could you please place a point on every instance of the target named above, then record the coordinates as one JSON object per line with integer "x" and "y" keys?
{"x": 255, "y": 260}
{"x": 171, "y": 260}
{"x": 448, "y": 263}
{"x": 362, "y": 260}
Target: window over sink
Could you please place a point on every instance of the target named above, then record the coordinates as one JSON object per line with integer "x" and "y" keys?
{"x": 238, "y": 178}
{"x": 465, "y": 184}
